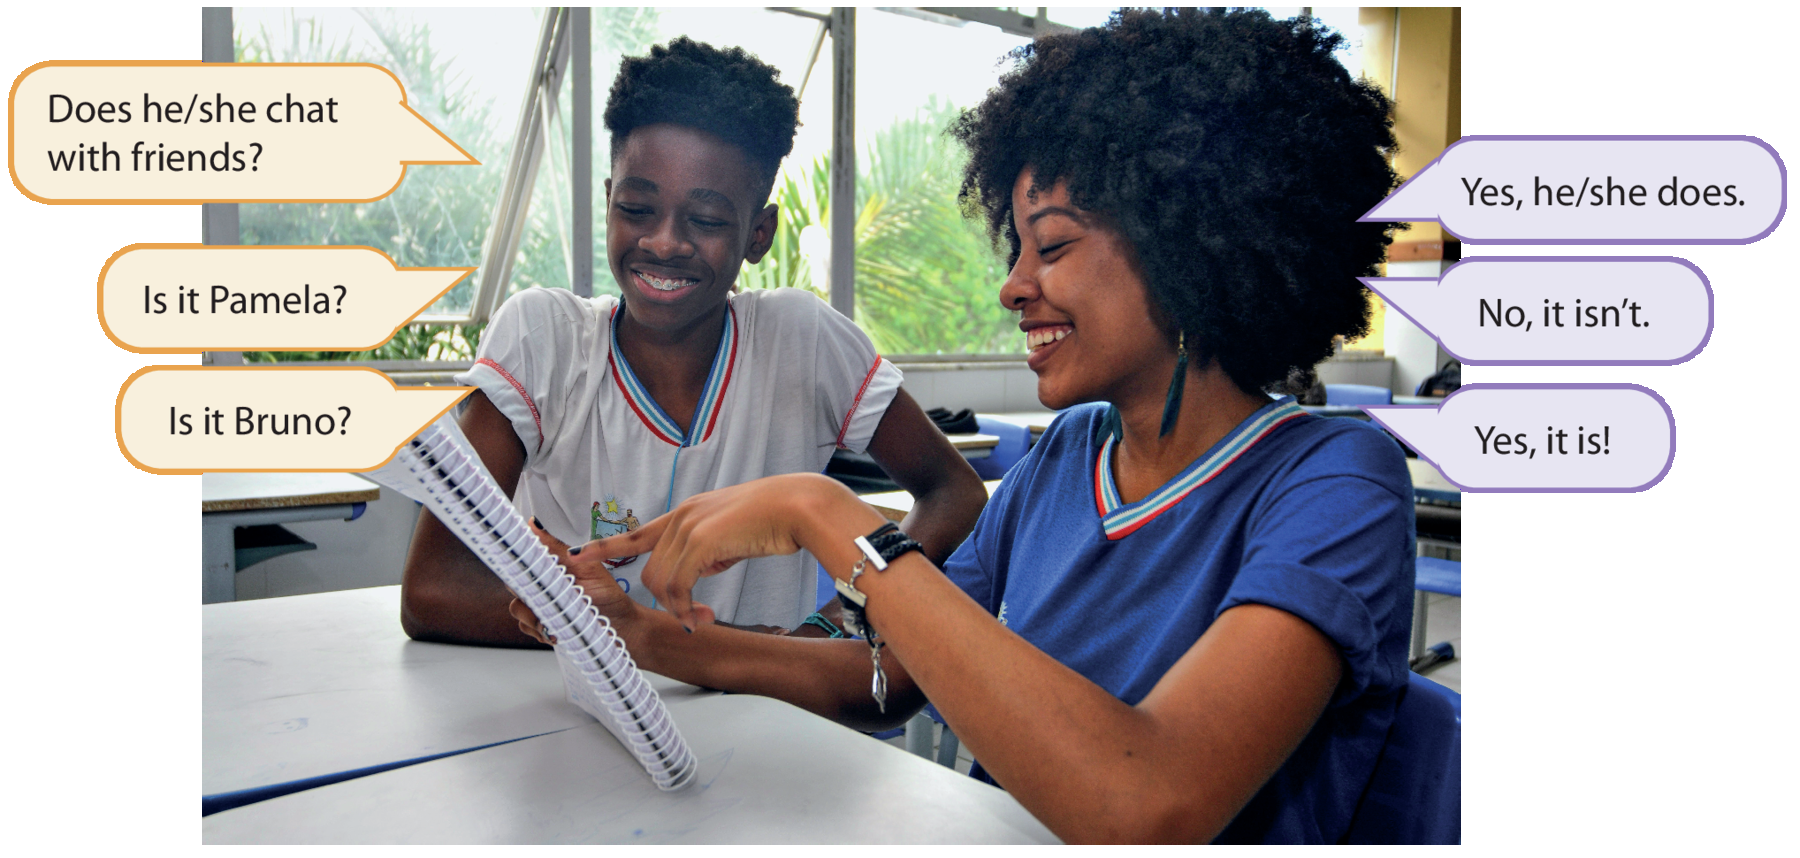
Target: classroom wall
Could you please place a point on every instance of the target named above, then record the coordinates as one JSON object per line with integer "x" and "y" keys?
{"x": 991, "y": 386}
{"x": 1416, "y": 355}
{"x": 1371, "y": 368}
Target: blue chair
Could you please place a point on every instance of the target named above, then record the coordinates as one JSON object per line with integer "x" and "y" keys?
{"x": 1014, "y": 441}
{"x": 825, "y": 589}
{"x": 1357, "y": 394}
{"x": 1415, "y": 793}
{"x": 1432, "y": 575}
{"x": 947, "y": 743}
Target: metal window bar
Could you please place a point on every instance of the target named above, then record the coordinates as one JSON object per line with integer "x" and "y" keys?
{"x": 556, "y": 156}
{"x": 508, "y": 226}
{"x": 842, "y": 198}
{"x": 1008, "y": 20}
{"x": 581, "y": 167}
{"x": 218, "y": 221}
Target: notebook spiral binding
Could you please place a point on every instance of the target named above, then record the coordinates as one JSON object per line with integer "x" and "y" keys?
{"x": 469, "y": 502}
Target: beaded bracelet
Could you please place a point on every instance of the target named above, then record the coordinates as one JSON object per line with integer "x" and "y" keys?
{"x": 818, "y": 619}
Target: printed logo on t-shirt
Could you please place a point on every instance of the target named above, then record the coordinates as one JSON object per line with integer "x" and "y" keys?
{"x": 611, "y": 518}
{"x": 1002, "y": 616}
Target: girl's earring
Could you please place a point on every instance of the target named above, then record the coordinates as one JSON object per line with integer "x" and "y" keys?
{"x": 1108, "y": 426}
{"x": 1172, "y": 402}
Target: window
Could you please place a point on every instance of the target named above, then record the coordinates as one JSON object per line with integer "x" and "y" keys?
{"x": 462, "y": 70}
{"x": 927, "y": 279}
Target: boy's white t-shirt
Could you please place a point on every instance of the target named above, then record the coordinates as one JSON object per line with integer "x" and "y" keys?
{"x": 793, "y": 381}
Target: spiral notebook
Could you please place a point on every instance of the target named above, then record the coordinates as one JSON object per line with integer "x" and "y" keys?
{"x": 437, "y": 468}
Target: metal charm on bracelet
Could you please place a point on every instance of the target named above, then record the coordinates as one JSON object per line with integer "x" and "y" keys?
{"x": 856, "y": 620}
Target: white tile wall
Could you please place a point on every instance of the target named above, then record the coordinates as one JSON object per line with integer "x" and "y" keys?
{"x": 1379, "y": 373}
{"x": 1021, "y": 390}
{"x": 922, "y": 386}
{"x": 1007, "y": 386}
{"x": 979, "y": 389}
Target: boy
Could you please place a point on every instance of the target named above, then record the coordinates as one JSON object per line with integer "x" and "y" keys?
{"x": 596, "y": 413}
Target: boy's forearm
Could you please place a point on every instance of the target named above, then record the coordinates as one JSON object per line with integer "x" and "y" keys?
{"x": 449, "y": 596}
{"x": 943, "y": 516}
{"x": 947, "y": 494}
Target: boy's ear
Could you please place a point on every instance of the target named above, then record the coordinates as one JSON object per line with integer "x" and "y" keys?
{"x": 607, "y": 184}
{"x": 762, "y": 233}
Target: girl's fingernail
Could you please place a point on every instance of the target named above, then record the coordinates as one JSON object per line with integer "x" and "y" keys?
{"x": 575, "y": 550}
{"x": 537, "y": 524}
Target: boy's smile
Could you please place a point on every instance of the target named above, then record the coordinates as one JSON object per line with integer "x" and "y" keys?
{"x": 679, "y": 224}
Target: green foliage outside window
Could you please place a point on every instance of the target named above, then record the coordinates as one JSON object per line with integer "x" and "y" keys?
{"x": 927, "y": 280}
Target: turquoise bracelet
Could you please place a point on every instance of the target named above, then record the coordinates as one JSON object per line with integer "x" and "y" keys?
{"x": 818, "y": 619}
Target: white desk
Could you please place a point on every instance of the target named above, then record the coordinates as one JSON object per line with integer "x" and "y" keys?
{"x": 306, "y": 686}
{"x": 769, "y": 773}
{"x": 231, "y": 501}
{"x": 895, "y": 505}
{"x": 1429, "y": 486}
{"x": 973, "y": 445}
{"x": 234, "y": 492}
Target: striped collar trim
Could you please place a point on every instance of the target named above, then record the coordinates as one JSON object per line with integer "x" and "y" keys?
{"x": 706, "y": 417}
{"x": 1120, "y": 520}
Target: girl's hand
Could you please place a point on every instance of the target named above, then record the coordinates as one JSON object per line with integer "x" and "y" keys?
{"x": 709, "y": 533}
{"x": 594, "y": 578}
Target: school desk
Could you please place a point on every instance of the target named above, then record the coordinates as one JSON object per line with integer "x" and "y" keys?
{"x": 1437, "y": 506}
{"x": 264, "y": 502}
{"x": 312, "y": 686}
{"x": 972, "y": 445}
{"x": 895, "y": 505}
{"x": 1429, "y": 486}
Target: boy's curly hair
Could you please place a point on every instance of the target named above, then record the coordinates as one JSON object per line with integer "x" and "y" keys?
{"x": 1231, "y": 150}
{"x": 728, "y": 93}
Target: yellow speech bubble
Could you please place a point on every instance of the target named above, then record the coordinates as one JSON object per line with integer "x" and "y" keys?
{"x": 191, "y": 419}
{"x": 166, "y": 298}
{"x": 187, "y": 132}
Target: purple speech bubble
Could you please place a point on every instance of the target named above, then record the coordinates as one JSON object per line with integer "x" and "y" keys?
{"x": 1560, "y": 310}
{"x": 1541, "y": 437}
{"x": 1597, "y": 190}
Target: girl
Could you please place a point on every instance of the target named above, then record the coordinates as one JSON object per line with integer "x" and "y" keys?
{"x": 1183, "y": 616}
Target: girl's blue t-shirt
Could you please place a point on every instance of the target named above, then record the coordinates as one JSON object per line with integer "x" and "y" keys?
{"x": 1310, "y": 515}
